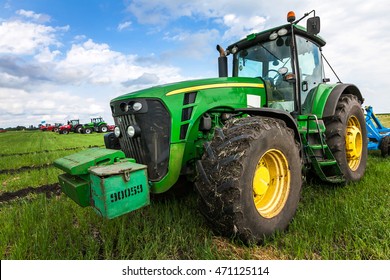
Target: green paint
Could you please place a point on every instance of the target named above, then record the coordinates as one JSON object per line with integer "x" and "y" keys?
{"x": 78, "y": 163}
{"x": 76, "y": 188}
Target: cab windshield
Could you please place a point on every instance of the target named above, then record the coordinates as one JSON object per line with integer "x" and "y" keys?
{"x": 270, "y": 61}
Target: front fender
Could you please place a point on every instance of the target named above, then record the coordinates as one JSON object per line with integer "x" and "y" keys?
{"x": 327, "y": 96}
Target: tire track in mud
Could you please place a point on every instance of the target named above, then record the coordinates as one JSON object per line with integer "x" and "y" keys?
{"x": 50, "y": 191}
{"x": 25, "y": 168}
{"x": 49, "y": 151}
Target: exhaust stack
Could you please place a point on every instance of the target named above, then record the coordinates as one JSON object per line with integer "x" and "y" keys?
{"x": 222, "y": 62}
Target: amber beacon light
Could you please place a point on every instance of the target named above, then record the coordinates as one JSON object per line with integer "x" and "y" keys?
{"x": 290, "y": 16}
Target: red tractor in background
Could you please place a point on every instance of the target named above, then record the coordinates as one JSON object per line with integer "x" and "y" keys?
{"x": 44, "y": 127}
{"x": 53, "y": 128}
{"x": 71, "y": 126}
{"x": 111, "y": 127}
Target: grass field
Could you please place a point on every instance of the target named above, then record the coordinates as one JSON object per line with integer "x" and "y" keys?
{"x": 38, "y": 222}
{"x": 385, "y": 119}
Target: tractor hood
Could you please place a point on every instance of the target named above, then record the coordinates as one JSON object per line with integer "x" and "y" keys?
{"x": 166, "y": 90}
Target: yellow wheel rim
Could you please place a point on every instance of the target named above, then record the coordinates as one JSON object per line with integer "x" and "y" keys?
{"x": 353, "y": 143}
{"x": 271, "y": 183}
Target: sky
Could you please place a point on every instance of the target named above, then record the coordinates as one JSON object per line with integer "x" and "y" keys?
{"x": 62, "y": 60}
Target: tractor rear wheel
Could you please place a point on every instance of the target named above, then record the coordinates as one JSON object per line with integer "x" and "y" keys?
{"x": 346, "y": 136}
{"x": 250, "y": 180}
{"x": 78, "y": 129}
{"x": 384, "y": 146}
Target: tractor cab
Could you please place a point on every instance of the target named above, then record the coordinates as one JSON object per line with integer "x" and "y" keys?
{"x": 74, "y": 122}
{"x": 288, "y": 61}
{"x": 97, "y": 120}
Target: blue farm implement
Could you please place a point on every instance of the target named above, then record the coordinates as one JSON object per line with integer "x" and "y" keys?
{"x": 378, "y": 135}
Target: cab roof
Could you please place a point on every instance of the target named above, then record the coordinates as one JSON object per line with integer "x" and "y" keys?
{"x": 262, "y": 36}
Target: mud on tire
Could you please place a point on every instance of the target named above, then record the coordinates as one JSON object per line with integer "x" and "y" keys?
{"x": 228, "y": 173}
{"x": 350, "y": 151}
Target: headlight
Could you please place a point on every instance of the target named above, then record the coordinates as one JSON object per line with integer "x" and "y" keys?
{"x": 137, "y": 106}
{"x": 117, "y": 132}
{"x": 124, "y": 107}
{"x": 133, "y": 131}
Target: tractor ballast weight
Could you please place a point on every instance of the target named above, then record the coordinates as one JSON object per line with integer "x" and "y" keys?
{"x": 378, "y": 135}
{"x": 245, "y": 141}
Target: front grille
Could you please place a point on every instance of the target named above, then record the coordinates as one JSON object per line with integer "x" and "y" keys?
{"x": 152, "y": 146}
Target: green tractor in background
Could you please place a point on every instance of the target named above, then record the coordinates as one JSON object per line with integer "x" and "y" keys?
{"x": 247, "y": 142}
{"x": 96, "y": 125}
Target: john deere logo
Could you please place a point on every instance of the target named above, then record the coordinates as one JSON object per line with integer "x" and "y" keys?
{"x": 126, "y": 193}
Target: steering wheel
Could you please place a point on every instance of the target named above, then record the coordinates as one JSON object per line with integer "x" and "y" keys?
{"x": 276, "y": 80}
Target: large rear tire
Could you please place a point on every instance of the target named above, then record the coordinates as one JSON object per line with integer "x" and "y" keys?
{"x": 346, "y": 136}
{"x": 250, "y": 180}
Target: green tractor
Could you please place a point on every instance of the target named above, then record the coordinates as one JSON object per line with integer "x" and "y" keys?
{"x": 96, "y": 125}
{"x": 247, "y": 142}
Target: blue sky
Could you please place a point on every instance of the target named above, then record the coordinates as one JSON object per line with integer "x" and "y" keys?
{"x": 67, "y": 59}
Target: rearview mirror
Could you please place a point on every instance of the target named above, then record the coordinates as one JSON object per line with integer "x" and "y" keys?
{"x": 313, "y": 25}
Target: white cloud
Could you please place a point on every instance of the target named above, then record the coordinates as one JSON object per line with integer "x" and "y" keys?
{"x": 124, "y": 25}
{"x": 192, "y": 45}
{"x": 30, "y": 37}
{"x": 240, "y": 26}
{"x": 18, "y": 106}
{"x": 42, "y": 18}
{"x": 94, "y": 63}
{"x": 42, "y": 78}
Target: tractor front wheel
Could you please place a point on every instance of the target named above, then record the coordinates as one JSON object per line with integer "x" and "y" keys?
{"x": 87, "y": 130}
{"x": 346, "y": 136}
{"x": 250, "y": 180}
{"x": 103, "y": 128}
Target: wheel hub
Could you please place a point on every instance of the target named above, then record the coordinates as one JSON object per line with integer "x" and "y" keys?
{"x": 353, "y": 143}
{"x": 271, "y": 183}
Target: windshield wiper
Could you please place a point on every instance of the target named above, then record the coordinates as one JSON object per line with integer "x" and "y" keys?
{"x": 271, "y": 53}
